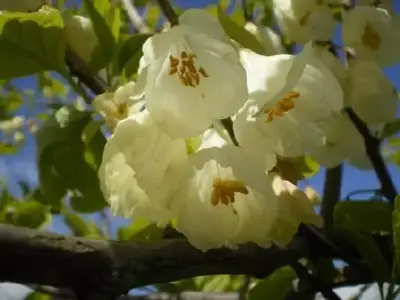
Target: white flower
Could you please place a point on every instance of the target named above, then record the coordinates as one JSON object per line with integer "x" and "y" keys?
{"x": 119, "y": 105}
{"x": 269, "y": 39}
{"x": 370, "y": 93}
{"x": 8, "y": 127}
{"x": 385, "y": 4}
{"x": 155, "y": 158}
{"x": 80, "y": 36}
{"x": 21, "y": 5}
{"x": 294, "y": 208}
{"x": 370, "y": 32}
{"x": 341, "y": 141}
{"x": 120, "y": 188}
{"x": 290, "y": 93}
{"x": 332, "y": 62}
{"x": 224, "y": 198}
{"x": 191, "y": 76}
{"x": 305, "y": 20}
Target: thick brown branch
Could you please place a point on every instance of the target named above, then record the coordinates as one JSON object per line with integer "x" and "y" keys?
{"x": 168, "y": 11}
{"x": 112, "y": 268}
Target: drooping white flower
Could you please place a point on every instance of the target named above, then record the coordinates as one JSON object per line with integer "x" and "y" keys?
{"x": 191, "y": 75}
{"x": 341, "y": 141}
{"x": 294, "y": 208}
{"x": 306, "y": 20}
{"x": 269, "y": 39}
{"x": 154, "y": 157}
{"x": 332, "y": 62}
{"x": 369, "y": 92}
{"x": 371, "y": 33}
{"x": 121, "y": 190}
{"x": 289, "y": 93}
{"x": 224, "y": 198}
{"x": 80, "y": 36}
{"x": 119, "y": 105}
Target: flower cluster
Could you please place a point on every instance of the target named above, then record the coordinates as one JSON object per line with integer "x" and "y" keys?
{"x": 171, "y": 160}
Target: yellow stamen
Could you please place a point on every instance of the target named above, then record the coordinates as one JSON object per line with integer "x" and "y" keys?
{"x": 283, "y": 105}
{"x": 185, "y": 69}
{"x": 224, "y": 191}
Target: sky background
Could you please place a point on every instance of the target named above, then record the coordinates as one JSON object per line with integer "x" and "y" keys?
{"x": 22, "y": 166}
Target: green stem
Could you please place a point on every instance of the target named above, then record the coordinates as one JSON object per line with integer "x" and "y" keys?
{"x": 77, "y": 87}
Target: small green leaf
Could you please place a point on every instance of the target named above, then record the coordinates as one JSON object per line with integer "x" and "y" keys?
{"x": 38, "y": 296}
{"x": 364, "y": 216}
{"x": 63, "y": 163}
{"x": 29, "y": 214}
{"x": 79, "y": 226}
{"x": 31, "y": 42}
{"x": 104, "y": 52}
{"x": 396, "y": 237}
{"x": 130, "y": 53}
{"x": 140, "y": 230}
{"x": 218, "y": 283}
{"x": 306, "y": 166}
{"x": 239, "y": 34}
{"x": 371, "y": 253}
{"x": 391, "y": 128}
{"x": 275, "y": 286}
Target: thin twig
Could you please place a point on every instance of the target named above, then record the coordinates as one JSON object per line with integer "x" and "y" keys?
{"x": 331, "y": 195}
{"x": 315, "y": 282}
{"x": 134, "y": 16}
{"x": 244, "y": 288}
{"x": 168, "y": 11}
{"x": 372, "y": 145}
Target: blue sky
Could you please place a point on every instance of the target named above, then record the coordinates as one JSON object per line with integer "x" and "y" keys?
{"x": 23, "y": 167}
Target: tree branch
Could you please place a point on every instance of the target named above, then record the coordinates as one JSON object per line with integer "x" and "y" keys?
{"x": 331, "y": 194}
{"x": 79, "y": 69}
{"x": 373, "y": 151}
{"x": 134, "y": 16}
{"x": 111, "y": 268}
{"x": 168, "y": 11}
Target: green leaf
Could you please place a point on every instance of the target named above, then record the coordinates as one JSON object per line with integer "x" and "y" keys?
{"x": 103, "y": 53}
{"x": 140, "y": 230}
{"x": 306, "y": 166}
{"x": 38, "y": 296}
{"x": 364, "y": 216}
{"x": 275, "y": 286}
{"x": 217, "y": 283}
{"x": 239, "y": 34}
{"x": 370, "y": 252}
{"x": 31, "y": 214}
{"x": 130, "y": 53}
{"x": 396, "y": 236}
{"x": 391, "y": 128}
{"x": 79, "y": 226}
{"x": 62, "y": 160}
{"x": 31, "y": 42}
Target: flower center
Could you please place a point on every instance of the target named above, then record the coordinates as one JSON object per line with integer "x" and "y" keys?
{"x": 283, "y": 105}
{"x": 371, "y": 38}
{"x": 122, "y": 110}
{"x": 224, "y": 191}
{"x": 185, "y": 69}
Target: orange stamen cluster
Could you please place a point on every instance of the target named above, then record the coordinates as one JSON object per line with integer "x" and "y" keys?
{"x": 283, "y": 105}
{"x": 185, "y": 68}
{"x": 224, "y": 191}
{"x": 371, "y": 38}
